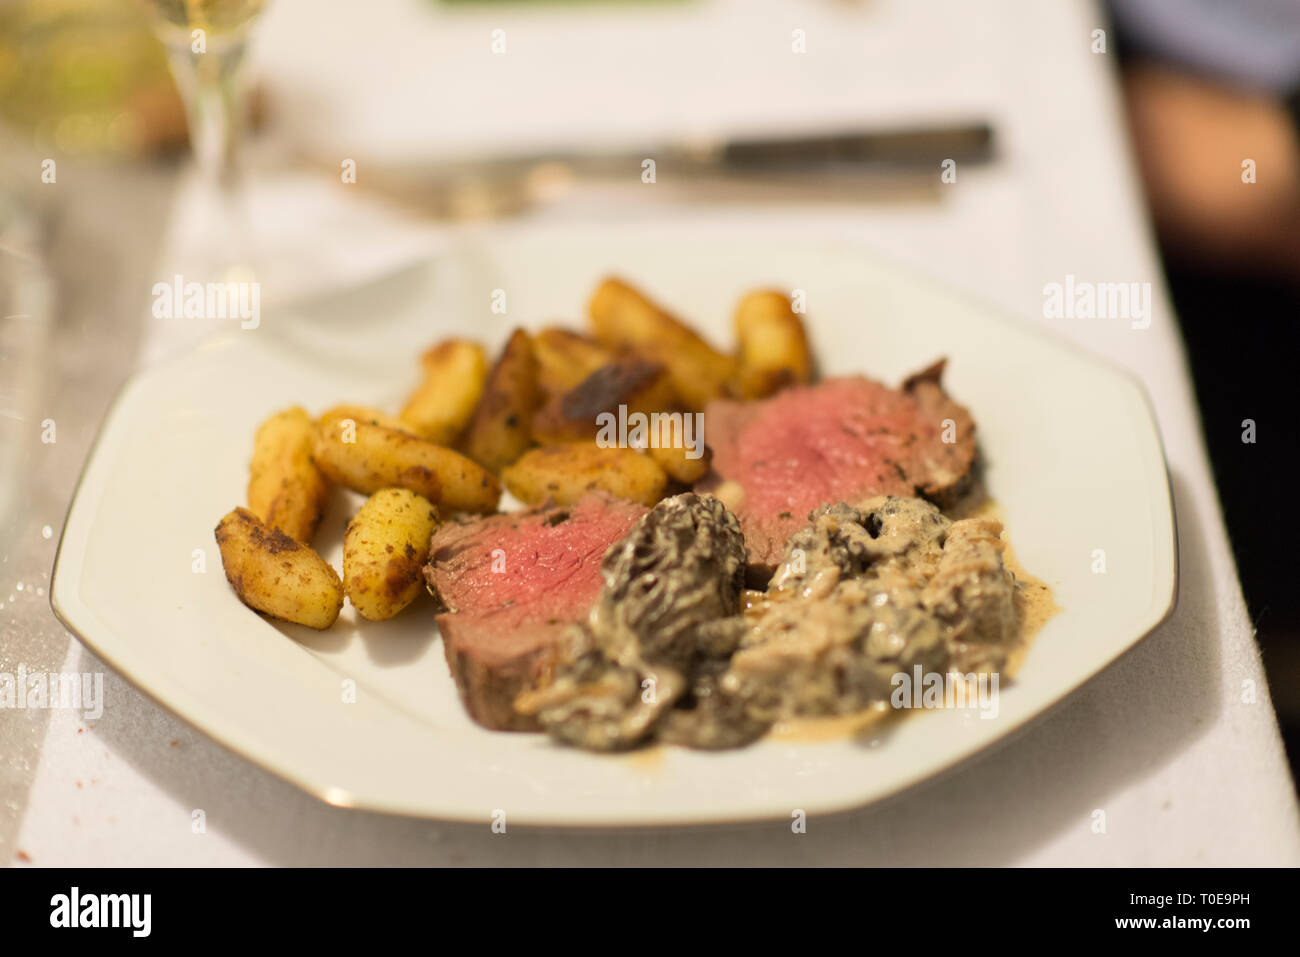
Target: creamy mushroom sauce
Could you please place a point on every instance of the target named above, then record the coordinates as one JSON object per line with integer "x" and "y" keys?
{"x": 1035, "y": 606}
{"x": 676, "y": 651}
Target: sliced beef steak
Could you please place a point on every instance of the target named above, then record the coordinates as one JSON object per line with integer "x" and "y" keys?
{"x": 843, "y": 440}
{"x": 511, "y": 584}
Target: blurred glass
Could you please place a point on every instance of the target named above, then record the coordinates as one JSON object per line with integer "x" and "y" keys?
{"x": 205, "y": 42}
{"x": 87, "y": 77}
{"x": 223, "y": 17}
{"x": 24, "y": 333}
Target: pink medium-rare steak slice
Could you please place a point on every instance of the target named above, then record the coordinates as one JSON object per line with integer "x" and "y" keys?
{"x": 511, "y": 584}
{"x": 843, "y": 440}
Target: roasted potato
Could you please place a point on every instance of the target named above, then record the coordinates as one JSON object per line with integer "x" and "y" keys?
{"x": 386, "y": 544}
{"x": 275, "y": 574}
{"x": 771, "y": 344}
{"x": 501, "y": 429}
{"x": 680, "y": 461}
{"x": 363, "y": 413}
{"x": 565, "y": 358}
{"x": 636, "y": 384}
{"x": 455, "y": 373}
{"x": 564, "y": 473}
{"x": 367, "y": 458}
{"x": 623, "y": 318}
{"x": 285, "y": 489}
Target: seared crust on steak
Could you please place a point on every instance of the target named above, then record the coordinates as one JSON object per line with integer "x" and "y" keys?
{"x": 488, "y": 689}
{"x": 949, "y": 469}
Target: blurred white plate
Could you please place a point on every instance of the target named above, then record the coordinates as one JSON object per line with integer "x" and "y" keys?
{"x": 1073, "y": 457}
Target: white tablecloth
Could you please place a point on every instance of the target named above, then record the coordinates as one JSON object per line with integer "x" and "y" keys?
{"x": 1186, "y": 772}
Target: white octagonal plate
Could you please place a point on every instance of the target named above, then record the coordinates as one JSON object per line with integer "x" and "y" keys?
{"x": 1073, "y": 458}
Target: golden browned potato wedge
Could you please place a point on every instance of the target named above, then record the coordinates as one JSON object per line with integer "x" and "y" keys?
{"x": 367, "y": 458}
{"x": 677, "y": 460}
{"x": 564, "y": 473}
{"x": 565, "y": 358}
{"x": 623, "y": 318}
{"x": 364, "y": 413}
{"x": 638, "y": 385}
{"x": 501, "y": 428}
{"x": 386, "y": 545}
{"x": 455, "y": 372}
{"x": 772, "y": 346}
{"x": 285, "y": 489}
{"x": 275, "y": 574}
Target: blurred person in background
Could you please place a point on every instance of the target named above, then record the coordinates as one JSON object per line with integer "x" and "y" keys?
{"x": 1212, "y": 89}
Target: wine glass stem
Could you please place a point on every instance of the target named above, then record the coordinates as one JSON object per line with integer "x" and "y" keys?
{"x": 220, "y": 241}
{"x": 208, "y": 87}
